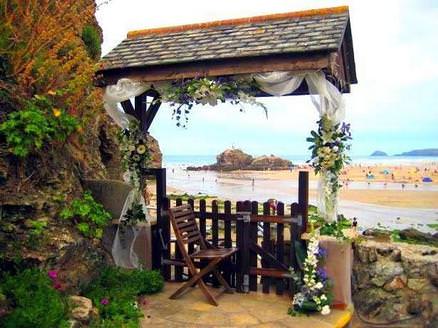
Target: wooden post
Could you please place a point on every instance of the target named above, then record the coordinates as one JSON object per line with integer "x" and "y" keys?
{"x": 303, "y": 197}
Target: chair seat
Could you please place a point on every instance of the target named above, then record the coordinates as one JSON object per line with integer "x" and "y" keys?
{"x": 213, "y": 253}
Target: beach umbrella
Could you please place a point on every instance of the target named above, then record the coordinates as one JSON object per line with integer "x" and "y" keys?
{"x": 370, "y": 176}
{"x": 386, "y": 172}
{"x": 427, "y": 179}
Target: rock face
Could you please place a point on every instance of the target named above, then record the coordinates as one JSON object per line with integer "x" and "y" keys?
{"x": 379, "y": 153}
{"x": 395, "y": 281}
{"x": 233, "y": 159}
{"x": 236, "y": 159}
{"x": 269, "y": 163}
{"x": 81, "y": 308}
{"x": 154, "y": 149}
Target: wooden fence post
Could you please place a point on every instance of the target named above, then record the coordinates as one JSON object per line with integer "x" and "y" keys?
{"x": 303, "y": 197}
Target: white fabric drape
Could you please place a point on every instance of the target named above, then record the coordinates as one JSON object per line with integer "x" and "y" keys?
{"x": 116, "y": 93}
{"x": 328, "y": 101}
{"x": 124, "y": 250}
{"x": 325, "y": 96}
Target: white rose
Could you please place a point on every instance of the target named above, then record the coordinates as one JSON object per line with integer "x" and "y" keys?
{"x": 319, "y": 285}
{"x": 325, "y": 310}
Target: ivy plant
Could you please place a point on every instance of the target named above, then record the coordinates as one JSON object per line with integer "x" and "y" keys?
{"x": 89, "y": 216}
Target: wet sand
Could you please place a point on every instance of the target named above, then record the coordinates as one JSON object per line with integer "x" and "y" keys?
{"x": 391, "y": 202}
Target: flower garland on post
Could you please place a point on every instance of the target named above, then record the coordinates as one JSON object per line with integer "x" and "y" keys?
{"x": 135, "y": 158}
{"x": 330, "y": 143}
{"x": 315, "y": 292}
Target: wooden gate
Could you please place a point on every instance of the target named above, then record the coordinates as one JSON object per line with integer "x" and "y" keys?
{"x": 266, "y": 238}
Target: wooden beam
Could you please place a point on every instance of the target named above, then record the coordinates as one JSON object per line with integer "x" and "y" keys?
{"x": 127, "y": 107}
{"x": 222, "y": 67}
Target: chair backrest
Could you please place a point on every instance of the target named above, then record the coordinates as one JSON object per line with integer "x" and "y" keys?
{"x": 185, "y": 227}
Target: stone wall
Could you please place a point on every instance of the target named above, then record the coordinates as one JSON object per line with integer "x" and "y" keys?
{"x": 396, "y": 284}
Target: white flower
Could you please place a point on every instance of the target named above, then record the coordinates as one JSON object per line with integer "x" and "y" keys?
{"x": 323, "y": 297}
{"x": 131, "y": 148}
{"x": 325, "y": 310}
{"x": 319, "y": 285}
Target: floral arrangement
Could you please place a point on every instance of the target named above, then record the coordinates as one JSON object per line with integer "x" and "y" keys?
{"x": 315, "y": 291}
{"x": 330, "y": 144}
{"x": 182, "y": 95}
{"x": 135, "y": 154}
{"x": 134, "y": 215}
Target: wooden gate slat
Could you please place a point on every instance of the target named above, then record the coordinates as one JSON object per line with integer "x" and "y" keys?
{"x": 178, "y": 256}
{"x": 214, "y": 223}
{"x": 279, "y": 284}
{"x": 266, "y": 244}
{"x": 239, "y": 242}
{"x": 228, "y": 276}
{"x": 202, "y": 217}
{"x": 253, "y": 234}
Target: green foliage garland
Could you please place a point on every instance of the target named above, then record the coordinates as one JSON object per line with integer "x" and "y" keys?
{"x": 183, "y": 95}
{"x": 329, "y": 147}
{"x": 134, "y": 150}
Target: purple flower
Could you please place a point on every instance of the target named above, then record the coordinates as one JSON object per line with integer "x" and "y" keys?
{"x": 53, "y": 274}
{"x": 104, "y": 301}
{"x": 345, "y": 129}
{"x": 322, "y": 252}
{"x": 322, "y": 274}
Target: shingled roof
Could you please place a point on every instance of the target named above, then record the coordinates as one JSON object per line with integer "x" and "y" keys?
{"x": 315, "y": 30}
{"x": 312, "y": 39}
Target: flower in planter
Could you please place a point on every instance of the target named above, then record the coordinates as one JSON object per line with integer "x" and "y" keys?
{"x": 314, "y": 294}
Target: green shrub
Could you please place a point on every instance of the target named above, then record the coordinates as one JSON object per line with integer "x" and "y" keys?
{"x": 35, "y": 302}
{"x": 36, "y": 124}
{"x": 89, "y": 216}
{"x": 92, "y": 41}
{"x": 114, "y": 293}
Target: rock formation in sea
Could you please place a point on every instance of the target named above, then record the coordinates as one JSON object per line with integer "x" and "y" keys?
{"x": 236, "y": 159}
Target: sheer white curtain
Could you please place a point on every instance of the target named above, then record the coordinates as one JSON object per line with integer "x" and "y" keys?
{"x": 328, "y": 101}
{"x": 325, "y": 96}
{"x": 116, "y": 93}
{"x": 123, "y": 249}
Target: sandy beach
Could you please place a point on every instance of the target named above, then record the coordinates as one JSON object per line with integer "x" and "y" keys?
{"x": 393, "y": 196}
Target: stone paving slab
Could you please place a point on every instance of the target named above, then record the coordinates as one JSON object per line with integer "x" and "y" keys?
{"x": 234, "y": 310}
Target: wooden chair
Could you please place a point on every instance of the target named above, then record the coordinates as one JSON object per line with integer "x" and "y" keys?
{"x": 186, "y": 231}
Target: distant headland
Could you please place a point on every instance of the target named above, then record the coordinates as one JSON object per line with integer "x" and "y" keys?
{"x": 421, "y": 152}
{"x": 235, "y": 159}
{"x": 415, "y": 152}
{"x": 379, "y": 153}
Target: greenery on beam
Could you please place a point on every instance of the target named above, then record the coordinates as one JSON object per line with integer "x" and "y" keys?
{"x": 184, "y": 94}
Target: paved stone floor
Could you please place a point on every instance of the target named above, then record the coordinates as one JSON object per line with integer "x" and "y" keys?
{"x": 234, "y": 310}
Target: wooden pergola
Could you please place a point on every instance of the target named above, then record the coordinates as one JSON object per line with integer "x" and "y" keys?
{"x": 296, "y": 42}
{"x": 313, "y": 40}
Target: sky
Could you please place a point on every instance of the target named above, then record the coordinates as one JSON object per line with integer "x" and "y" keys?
{"x": 393, "y": 107}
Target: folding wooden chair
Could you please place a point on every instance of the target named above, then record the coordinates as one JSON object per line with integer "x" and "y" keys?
{"x": 186, "y": 231}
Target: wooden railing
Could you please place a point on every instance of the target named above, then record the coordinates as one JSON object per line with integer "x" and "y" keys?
{"x": 265, "y": 236}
